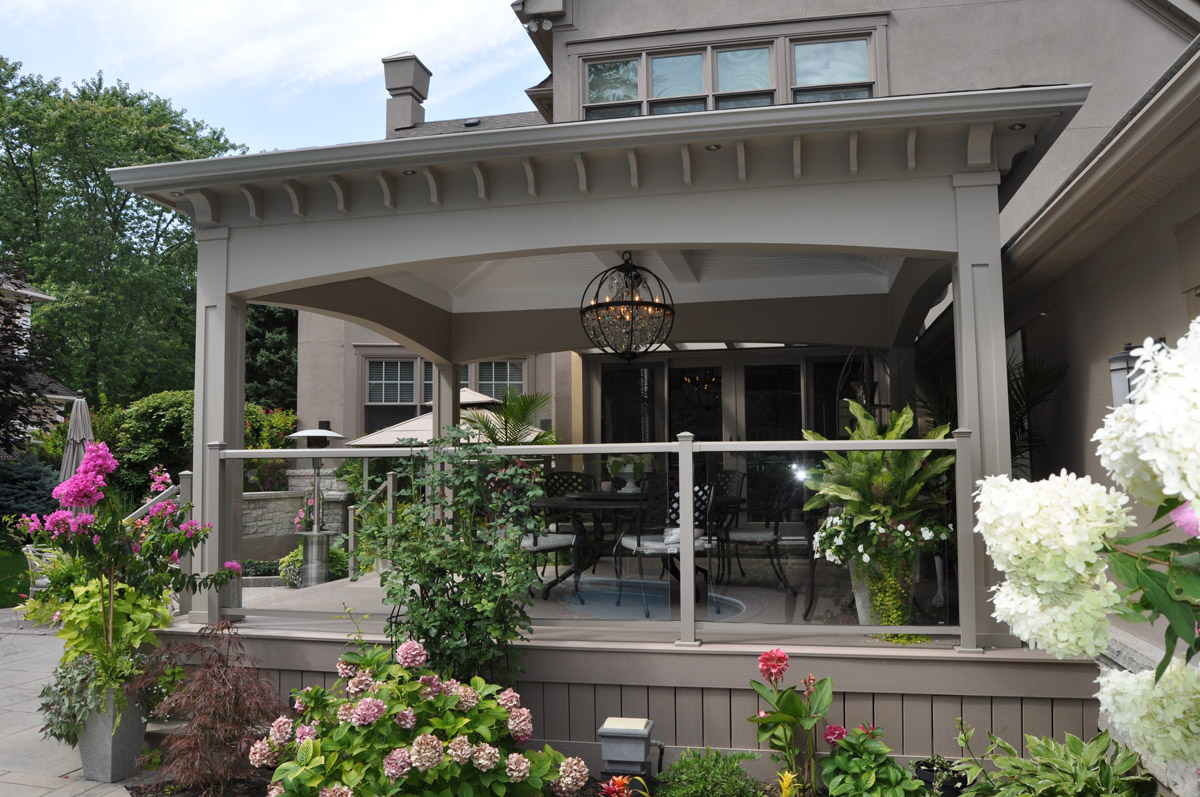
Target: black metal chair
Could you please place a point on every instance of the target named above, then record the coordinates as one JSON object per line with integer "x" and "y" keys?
{"x": 646, "y": 537}
{"x": 786, "y": 500}
{"x": 724, "y": 509}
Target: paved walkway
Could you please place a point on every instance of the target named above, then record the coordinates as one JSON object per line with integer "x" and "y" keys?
{"x": 31, "y": 766}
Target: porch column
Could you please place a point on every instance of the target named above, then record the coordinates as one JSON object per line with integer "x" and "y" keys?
{"x": 982, "y": 371}
{"x": 445, "y": 396}
{"x": 219, "y": 415}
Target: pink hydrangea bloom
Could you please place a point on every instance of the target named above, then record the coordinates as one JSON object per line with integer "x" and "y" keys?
{"x": 773, "y": 664}
{"x": 485, "y": 757}
{"x": 305, "y": 732}
{"x": 572, "y": 775}
{"x": 509, "y": 699}
{"x": 263, "y": 755}
{"x": 468, "y": 698}
{"x": 460, "y": 749}
{"x": 337, "y": 790}
{"x": 1184, "y": 516}
{"x": 426, "y": 752}
{"x": 344, "y": 711}
{"x": 345, "y": 669}
{"x": 300, "y": 706}
{"x": 397, "y": 764}
{"x": 367, "y": 711}
{"x": 520, "y": 724}
{"x": 281, "y": 731}
{"x": 433, "y": 687}
{"x": 275, "y": 789}
{"x": 407, "y": 719}
{"x": 363, "y": 682}
{"x": 411, "y": 655}
{"x": 516, "y": 766}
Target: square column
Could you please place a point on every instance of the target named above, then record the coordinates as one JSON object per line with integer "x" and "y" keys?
{"x": 219, "y": 412}
{"x": 445, "y": 396}
{"x": 982, "y": 363}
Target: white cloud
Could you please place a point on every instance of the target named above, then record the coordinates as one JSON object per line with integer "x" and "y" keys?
{"x": 289, "y": 46}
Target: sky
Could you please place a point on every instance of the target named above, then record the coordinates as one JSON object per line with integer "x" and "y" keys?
{"x": 282, "y": 74}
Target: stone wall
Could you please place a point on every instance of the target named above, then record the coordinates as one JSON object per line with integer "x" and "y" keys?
{"x": 268, "y": 531}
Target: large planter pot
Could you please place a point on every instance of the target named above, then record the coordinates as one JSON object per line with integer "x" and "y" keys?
{"x": 927, "y": 774}
{"x": 883, "y": 589}
{"x": 109, "y": 756}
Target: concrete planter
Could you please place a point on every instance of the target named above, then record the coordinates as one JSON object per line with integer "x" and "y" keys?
{"x": 865, "y": 579}
{"x": 107, "y": 755}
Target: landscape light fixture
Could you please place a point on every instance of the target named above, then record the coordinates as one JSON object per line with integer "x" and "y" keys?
{"x": 1120, "y": 369}
{"x": 627, "y": 311}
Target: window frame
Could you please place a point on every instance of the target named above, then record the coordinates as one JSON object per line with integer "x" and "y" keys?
{"x": 869, "y": 84}
{"x": 778, "y": 37}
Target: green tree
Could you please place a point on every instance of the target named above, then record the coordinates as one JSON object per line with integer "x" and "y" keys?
{"x": 22, "y": 405}
{"x": 271, "y": 356}
{"x": 123, "y": 269}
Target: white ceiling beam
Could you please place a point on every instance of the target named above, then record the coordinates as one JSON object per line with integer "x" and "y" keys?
{"x": 485, "y": 268}
{"x": 679, "y": 266}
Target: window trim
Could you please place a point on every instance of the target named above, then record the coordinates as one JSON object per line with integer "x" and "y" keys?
{"x": 870, "y": 83}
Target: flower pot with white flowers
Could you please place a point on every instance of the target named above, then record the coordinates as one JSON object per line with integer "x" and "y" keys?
{"x": 883, "y": 508}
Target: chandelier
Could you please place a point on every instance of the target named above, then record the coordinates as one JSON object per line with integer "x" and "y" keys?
{"x": 626, "y": 310}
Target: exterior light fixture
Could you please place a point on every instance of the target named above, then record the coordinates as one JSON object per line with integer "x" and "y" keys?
{"x": 409, "y": 172}
{"x": 624, "y": 745}
{"x": 1120, "y": 371}
{"x": 712, "y": 147}
{"x": 627, "y": 311}
{"x": 1017, "y": 126}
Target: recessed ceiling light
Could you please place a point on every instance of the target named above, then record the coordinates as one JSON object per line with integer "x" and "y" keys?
{"x": 712, "y": 147}
{"x": 1017, "y": 126}
{"x": 409, "y": 172}
{"x": 176, "y": 194}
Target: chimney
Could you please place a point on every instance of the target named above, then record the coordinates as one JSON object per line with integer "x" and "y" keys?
{"x": 407, "y": 81}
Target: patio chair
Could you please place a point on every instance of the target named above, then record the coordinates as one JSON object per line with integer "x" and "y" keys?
{"x": 559, "y": 531}
{"x": 646, "y": 537}
{"x": 724, "y": 509}
{"x": 39, "y": 560}
{"x": 786, "y": 500}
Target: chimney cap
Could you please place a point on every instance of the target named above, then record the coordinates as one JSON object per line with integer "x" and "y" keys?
{"x": 404, "y": 74}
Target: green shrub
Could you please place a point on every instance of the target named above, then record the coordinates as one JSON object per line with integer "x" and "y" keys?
{"x": 14, "y": 579}
{"x": 709, "y": 772}
{"x": 289, "y": 565}
{"x": 260, "y": 567}
{"x": 155, "y": 430}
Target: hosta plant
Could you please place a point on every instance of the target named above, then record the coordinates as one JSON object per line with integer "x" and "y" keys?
{"x": 391, "y": 727}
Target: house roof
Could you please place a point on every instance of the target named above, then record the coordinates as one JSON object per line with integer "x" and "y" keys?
{"x": 12, "y": 284}
{"x": 50, "y": 388}
{"x": 1147, "y": 156}
{"x": 471, "y": 124}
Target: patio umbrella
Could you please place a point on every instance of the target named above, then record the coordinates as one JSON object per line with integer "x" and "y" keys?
{"x": 79, "y": 433}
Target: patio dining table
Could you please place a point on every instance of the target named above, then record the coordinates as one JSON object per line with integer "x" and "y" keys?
{"x": 603, "y": 507}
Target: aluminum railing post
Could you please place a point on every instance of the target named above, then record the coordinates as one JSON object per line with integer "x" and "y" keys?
{"x": 687, "y": 545}
{"x": 213, "y": 512}
{"x": 184, "y": 598}
{"x": 964, "y": 534}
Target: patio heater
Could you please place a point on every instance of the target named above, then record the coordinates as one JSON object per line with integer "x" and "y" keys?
{"x": 315, "y": 569}
{"x": 627, "y": 311}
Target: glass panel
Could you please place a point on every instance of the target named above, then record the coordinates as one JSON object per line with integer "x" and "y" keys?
{"x": 405, "y": 377}
{"x": 744, "y": 70}
{"x": 819, "y": 63}
{"x": 681, "y": 106}
{"x": 774, "y": 411}
{"x": 383, "y": 416}
{"x": 375, "y": 392}
{"x": 745, "y": 101}
{"x": 677, "y": 75}
{"x": 832, "y": 382}
{"x": 832, "y": 95}
{"x": 613, "y": 112}
{"x": 613, "y": 81}
{"x": 694, "y": 397}
{"x": 627, "y": 403}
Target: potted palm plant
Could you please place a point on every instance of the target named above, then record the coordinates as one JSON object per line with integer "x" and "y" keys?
{"x": 884, "y": 506}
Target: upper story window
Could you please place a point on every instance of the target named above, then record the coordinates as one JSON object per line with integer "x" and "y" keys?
{"x": 497, "y": 378}
{"x": 391, "y": 393}
{"x": 825, "y": 71}
{"x": 778, "y": 69}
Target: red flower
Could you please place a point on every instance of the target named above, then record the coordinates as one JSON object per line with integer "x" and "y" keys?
{"x": 773, "y": 664}
{"x": 834, "y": 734}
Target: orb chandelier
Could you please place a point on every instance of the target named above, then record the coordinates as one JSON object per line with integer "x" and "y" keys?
{"x": 627, "y": 311}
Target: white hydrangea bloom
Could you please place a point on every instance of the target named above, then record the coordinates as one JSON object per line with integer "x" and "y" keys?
{"x": 1163, "y": 720}
{"x": 1064, "y": 624}
{"x": 1117, "y": 445}
{"x": 1048, "y": 535}
{"x": 1166, "y": 412}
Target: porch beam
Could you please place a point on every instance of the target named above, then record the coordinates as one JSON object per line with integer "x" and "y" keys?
{"x": 678, "y": 265}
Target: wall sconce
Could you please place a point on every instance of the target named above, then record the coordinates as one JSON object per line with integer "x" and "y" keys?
{"x": 538, "y": 22}
{"x": 1120, "y": 371}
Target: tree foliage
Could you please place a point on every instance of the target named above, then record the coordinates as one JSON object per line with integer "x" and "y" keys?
{"x": 123, "y": 269}
{"x": 271, "y": 356}
{"x": 22, "y": 405}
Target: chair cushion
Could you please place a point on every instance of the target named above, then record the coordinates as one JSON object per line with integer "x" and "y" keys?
{"x": 653, "y": 545}
{"x": 751, "y": 536}
{"x": 551, "y": 541}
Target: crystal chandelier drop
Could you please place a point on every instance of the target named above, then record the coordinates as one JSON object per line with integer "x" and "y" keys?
{"x": 627, "y": 311}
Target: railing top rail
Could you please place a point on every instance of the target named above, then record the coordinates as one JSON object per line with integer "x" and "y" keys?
{"x": 141, "y": 511}
{"x": 947, "y": 444}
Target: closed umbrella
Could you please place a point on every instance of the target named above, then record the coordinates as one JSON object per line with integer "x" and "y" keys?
{"x": 79, "y": 433}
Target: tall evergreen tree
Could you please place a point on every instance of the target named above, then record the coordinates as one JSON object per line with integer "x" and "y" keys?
{"x": 271, "y": 356}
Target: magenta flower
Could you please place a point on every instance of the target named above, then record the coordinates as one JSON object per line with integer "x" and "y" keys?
{"x": 773, "y": 664}
{"x": 175, "y": 557}
{"x": 95, "y": 539}
{"x": 834, "y": 734}
{"x": 160, "y": 480}
{"x": 189, "y": 528}
{"x": 1184, "y": 516}
{"x": 234, "y": 566}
